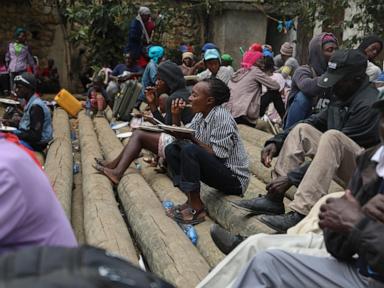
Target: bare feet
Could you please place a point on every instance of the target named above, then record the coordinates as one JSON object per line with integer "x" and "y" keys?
{"x": 105, "y": 163}
{"x": 115, "y": 179}
{"x": 277, "y": 187}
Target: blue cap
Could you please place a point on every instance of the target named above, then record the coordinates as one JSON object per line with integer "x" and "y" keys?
{"x": 208, "y": 46}
{"x": 212, "y": 54}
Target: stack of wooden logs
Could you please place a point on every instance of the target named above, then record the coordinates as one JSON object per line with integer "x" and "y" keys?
{"x": 139, "y": 226}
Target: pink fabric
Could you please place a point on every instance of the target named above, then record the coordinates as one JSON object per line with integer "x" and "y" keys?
{"x": 256, "y": 47}
{"x": 250, "y": 58}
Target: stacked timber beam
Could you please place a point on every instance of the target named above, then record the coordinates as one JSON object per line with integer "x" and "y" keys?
{"x": 59, "y": 162}
{"x": 103, "y": 224}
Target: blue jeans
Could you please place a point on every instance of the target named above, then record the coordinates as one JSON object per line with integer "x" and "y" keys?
{"x": 300, "y": 109}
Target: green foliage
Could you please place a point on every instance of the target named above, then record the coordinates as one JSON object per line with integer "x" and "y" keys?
{"x": 101, "y": 28}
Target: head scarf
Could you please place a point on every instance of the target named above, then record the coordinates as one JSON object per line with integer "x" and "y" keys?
{"x": 187, "y": 55}
{"x": 18, "y": 31}
{"x": 156, "y": 53}
{"x": 370, "y": 40}
{"x": 227, "y": 58}
{"x": 144, "y": 11}
{"x": 250, "y": 58}
{"x": 256, "y": 47}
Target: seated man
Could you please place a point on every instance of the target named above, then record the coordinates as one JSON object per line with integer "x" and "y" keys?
{"x": 352, "y": 225}
{"x": 212, "y": 62}
{"x": 50, "y": 78}
{"x": 35, "y": 127}
{"x": 30, "y": 212}
{"x": 333, "y": 138}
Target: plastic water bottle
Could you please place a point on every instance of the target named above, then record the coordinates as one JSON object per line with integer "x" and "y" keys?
{"x": 168, "y": 205}
{"x": 76, "y": 168}
{"x": 190, "y": 231}
{"x": 88, "y": 107}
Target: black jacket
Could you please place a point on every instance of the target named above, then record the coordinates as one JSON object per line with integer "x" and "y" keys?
{"x": 354, "y": 117}
{"x": 367, "y": 237}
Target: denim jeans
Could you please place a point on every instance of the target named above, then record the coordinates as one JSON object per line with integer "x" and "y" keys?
{"x": 189, "y": 164}
{"x": 299, "y": 109}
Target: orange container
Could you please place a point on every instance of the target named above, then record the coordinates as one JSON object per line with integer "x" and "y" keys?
{"x": 68, "y": 102}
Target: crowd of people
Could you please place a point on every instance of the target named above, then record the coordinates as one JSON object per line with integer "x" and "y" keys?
{"x": 330, "y": 122}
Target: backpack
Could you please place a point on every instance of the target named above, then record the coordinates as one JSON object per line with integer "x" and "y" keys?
{"x": 59, "y": 267}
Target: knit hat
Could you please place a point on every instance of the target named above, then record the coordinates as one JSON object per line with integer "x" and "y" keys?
{"x": 27, "y": 80}
{"x": 187, "y": 55}
{"x": 227, "y": 58}
{"x": 155, "y": 53}
{"x": 250, "y": 58}
{"x": 286, "y": 49}
{"x": 256, "y": 47}
{"x": 212, "y": 54}
{"x": 144, "y": 11}
{"x": 172, "y": 75}
{"x": 328, "y": 38}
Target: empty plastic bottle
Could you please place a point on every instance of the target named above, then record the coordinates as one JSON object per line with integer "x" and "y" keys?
{"x": 88, "y": 107}
{"x": 168, "y": 205}
{"x": 190, "y": 231}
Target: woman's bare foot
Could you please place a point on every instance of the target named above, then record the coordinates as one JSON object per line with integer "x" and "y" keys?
{"x": 105, "y": 163}
{"x": 115, "y": 179}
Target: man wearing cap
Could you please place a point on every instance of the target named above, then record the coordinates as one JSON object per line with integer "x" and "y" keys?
{"x": 35, "y": 127}
{"x": 284, "y": 62}
{"x": 353, "y": 227}
{"x": 332, "y": 138}
{"x": 212, "y": 61}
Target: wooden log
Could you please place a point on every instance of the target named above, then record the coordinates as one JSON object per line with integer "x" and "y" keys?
{"x": 165, "y": 190}
{"x": 59, "y": 162}
{"x": 103, "y": 224}
{"x": 77, "y": 202}
{"x": 168, "y": 252}
{"x": 254, "y": 136}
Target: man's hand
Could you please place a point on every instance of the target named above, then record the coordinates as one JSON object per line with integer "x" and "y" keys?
{"x": 150, "y": 95}
{"x": 340, "y": 214}
{"x": 374, "y": 208}
{"x": 267, "y": 154}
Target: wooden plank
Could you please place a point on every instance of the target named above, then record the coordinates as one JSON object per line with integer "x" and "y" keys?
{"x": 59, "y": 162}
{"x": 168, "y": 252}
{"x": 103, "y": 224}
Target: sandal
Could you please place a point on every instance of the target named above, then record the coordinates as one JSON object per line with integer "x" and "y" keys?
{"x": 176, "y": 210}
{"x": 196, "y": 217}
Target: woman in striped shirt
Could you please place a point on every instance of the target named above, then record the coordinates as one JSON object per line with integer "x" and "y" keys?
{"x": 214, "y": 154}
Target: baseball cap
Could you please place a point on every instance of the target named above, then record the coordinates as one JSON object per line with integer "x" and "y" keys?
{"x": 26, "y": 79}
{"x": 212, "y": 54}
{"x": 351, "y": 62}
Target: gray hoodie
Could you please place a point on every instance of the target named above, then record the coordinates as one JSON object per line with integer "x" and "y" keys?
{"x": 306, "y": 77}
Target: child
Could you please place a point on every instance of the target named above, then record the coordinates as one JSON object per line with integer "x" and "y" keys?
{"x": 97, "y": 97}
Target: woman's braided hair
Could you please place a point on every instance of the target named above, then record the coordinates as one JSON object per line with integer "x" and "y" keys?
{"x": 218, "y": 90}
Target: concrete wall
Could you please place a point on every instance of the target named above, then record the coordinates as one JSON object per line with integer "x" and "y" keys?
{"x": 232, "y": 29}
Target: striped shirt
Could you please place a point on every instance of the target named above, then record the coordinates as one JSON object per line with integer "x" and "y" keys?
{"x": 219, "y": 130}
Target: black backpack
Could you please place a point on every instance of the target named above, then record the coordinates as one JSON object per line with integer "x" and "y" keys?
{"x": 85, "y": 267}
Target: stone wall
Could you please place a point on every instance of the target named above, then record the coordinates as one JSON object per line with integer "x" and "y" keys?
{"x": 45, "y": 33}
